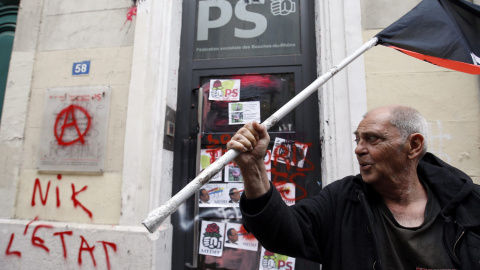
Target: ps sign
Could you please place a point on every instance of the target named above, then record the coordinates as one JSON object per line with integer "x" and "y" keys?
{"x": 81, "y": 68}
{"x": 241, "y": 28}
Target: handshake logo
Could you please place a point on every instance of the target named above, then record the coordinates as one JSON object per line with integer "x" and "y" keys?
{"x": 282, "y": 7}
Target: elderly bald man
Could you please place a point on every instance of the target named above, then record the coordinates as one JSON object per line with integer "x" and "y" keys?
{"x": 407, "y": 209}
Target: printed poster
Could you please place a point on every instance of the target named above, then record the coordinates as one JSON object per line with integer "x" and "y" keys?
{"x": 237, "y": 237}
{"x": 289, "y": 152}
{"x": 213, "y": 195}
{"x": 211, "y": 238}
{"x": 224, "y": 90}
{"x": 233, "y": 173}
{"x": 235, "y": 191}
{"x": 275, "y": 261}
{"x": 207, "y": 157}
{"x": 243, "y": 112}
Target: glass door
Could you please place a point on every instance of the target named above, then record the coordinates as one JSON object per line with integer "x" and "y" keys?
{"x": 227, "y": 103}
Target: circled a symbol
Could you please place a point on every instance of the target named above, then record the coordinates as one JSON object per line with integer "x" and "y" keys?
{"x": 66, "y": 120}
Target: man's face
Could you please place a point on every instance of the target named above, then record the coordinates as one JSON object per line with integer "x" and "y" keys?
{"x": 235, "y": 195}
{"x": 204, "y": 196}
{"x": 233, "y": 237}
{"x": 381, "y": 152}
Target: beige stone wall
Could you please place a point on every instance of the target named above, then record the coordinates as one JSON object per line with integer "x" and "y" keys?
{"x": 449, "y": 100}
{"x": 65, "y": 33}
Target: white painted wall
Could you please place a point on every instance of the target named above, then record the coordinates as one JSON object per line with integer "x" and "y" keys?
{"x": 38, "y": 244}
{"x": 343, "y": 98}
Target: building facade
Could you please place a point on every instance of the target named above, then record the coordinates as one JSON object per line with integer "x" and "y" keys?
{"x": 132, "y": 78}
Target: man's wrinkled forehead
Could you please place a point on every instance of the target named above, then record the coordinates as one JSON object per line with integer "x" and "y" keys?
{"x": 374, "y": 124}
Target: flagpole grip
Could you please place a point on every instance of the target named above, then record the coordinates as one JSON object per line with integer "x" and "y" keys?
{"x": 158, "y": 215}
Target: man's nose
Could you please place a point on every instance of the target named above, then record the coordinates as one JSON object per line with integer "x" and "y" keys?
{"x": 360, "y": 149}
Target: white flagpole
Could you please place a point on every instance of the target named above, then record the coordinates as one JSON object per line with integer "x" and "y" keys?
{"x": 158, "y": 215}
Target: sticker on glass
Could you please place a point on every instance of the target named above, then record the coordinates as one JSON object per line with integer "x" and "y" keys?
{"x": 243, "y": 112}
{"x": 275, "y": 261}
{"x": 207, "y": 157}
{"x": 224, "y": 90}
{"x": 211, "y": 238}
{"x": 289, "y": 152}
{"x": 237, "y": 237}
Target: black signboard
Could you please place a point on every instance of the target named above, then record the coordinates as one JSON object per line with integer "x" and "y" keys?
{"x": 246, "y": 28}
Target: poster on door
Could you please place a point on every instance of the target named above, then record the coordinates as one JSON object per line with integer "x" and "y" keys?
{"x": 207, "y": 157}
{"x": 211, "y": 238}
{"x": 238, "y": 237}
{"x": 243, "y": 112}
{"x": 224, "y": 90}
{"x": 74, "y": 130}
{"x": 289, "y": 152}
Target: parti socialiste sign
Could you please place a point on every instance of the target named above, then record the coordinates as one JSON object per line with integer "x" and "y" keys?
{"x": 246, "y": 28}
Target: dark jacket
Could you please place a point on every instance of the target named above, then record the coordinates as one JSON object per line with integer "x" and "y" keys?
{"x": 335, "y": 227}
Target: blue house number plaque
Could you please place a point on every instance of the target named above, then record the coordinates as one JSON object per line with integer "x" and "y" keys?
{"x": 81, "y": 68}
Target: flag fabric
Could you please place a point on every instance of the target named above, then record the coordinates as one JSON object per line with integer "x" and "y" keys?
{"x": 443, "y": 32}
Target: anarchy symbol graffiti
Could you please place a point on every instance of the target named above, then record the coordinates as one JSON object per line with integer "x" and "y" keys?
{"x": 74, "y": 121}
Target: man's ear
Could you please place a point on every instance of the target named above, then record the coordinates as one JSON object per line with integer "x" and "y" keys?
{"x": 415, "y": 143}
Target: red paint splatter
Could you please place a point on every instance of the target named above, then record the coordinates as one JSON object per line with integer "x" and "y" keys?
{"x": 246, "y": 235}
{"x": 131, "y": 12}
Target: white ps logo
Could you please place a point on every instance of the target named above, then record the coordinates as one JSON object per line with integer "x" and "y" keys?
{"x": 226, "y": 12}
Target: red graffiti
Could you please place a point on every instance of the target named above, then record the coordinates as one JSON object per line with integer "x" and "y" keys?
{"x": 213, "y": 153}
{"x": 89, "y": 249}
{"x": 28, "y": 224}
{"x": 14, "y": 253}
{"x": 70, "y": 121}
{"x": 39, "y": 187}
{"x": 289, "y": 154}
{"x": 113, "y": 246}
{"x": 38, "y": 242}
{"x": 63, "y": 241}
{"x": 76, "y": 203}
{"x": 225, "y": 138}
{"x": 131, "y": 12}
{"x": 57, "y": 191}
{"x": 211, "y": 140}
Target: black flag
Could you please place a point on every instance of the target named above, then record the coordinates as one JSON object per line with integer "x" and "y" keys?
{"x": 443, "y": 32}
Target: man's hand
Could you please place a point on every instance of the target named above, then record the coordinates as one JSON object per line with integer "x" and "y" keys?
{"x": 252, "y": 141}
